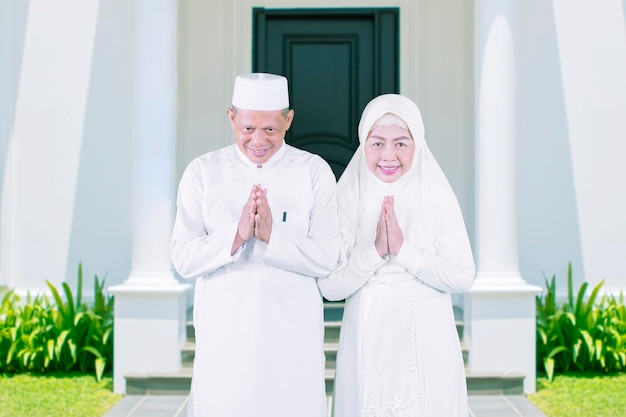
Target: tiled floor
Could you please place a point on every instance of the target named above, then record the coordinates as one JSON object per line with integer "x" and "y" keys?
{"x": 502, "y": 406}
{"x": 176, "y": 406}
{"x": 150, "y": 406}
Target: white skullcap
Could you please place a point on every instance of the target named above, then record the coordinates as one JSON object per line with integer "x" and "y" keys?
{"x": 260, "y": 91}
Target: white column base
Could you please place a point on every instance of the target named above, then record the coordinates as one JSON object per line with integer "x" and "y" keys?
{"x": 149, "y": 328}
{"x": 500, "y": 326}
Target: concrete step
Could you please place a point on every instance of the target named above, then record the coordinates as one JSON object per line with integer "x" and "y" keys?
{"x": 331, "y": 331}
{"x": 333, "y": 314}
{"x": 159, "y": 383}
{"x": 477, "y": 383}
{"x": 331, "y": 344}
{"x": 494, "y": 383}
{"x": 332, "y": 323}
{"x": 333, "y": 310}
{"x": 188, "y": 353}
{"x": 178, "y": 383}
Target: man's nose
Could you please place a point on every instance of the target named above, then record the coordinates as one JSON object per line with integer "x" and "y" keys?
{"x": 257, "y": 135}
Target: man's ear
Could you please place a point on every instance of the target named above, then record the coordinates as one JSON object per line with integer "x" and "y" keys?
{"x": 231, "y": 116}
{"x": 289, "y": 118}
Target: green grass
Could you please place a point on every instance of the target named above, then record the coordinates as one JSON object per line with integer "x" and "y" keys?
{"x": 55, "y": 395}
{"x": 79, "y": 395}
{"x": 582, "y": 395}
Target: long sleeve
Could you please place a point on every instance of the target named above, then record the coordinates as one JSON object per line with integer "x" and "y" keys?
{"x": 357, "y": 263}
{"x": 196, "y": 251}
{"x": 354, "y": 271}
{"x": 447, "y": 263}
{"x": 437, "y": 268}
{"x": 316, "y": 252}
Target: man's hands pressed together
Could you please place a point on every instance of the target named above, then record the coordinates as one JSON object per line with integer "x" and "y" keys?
{"x": 255, "y": 220}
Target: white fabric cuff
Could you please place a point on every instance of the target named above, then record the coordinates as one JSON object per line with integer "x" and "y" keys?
{"x": 410, "y": 257}
{"x": 365, "y": 261}
{"x": 238, "y": 252}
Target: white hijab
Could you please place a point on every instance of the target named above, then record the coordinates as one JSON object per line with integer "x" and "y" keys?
{"x": 425, "y": 205}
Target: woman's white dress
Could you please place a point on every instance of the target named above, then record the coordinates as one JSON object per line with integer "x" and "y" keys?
{"x": 399, "y": 351}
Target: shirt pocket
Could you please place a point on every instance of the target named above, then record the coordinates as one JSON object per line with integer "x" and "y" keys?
{"x": 296, "y": 223}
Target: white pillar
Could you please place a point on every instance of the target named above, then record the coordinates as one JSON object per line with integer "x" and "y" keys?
{"x": 49, "y": 49}
{"x": 500, "y": 308}
{"x": 6, "y": 124}
{"x": 150, "y": 304}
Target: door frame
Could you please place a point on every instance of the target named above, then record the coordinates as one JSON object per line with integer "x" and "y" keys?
{"x": 412, "y": 45}
{"x": 385, "y": 19}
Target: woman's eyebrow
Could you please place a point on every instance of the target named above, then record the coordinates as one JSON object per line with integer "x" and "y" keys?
{"x": 394, "y": 139}
{"x": 376, "y": 137}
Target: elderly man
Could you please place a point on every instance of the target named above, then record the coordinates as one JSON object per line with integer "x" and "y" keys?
{"x": 256, "y": 223}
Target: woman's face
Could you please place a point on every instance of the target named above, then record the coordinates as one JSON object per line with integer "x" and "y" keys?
{"x": 389, "y": 152}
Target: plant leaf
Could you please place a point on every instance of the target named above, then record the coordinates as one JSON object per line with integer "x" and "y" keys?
{"x": 79, "y": 286}
{"x": 100, "y": 365}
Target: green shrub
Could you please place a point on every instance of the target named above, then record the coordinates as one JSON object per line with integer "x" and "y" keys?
{"x": 580, "y": 333}
{"x": 37, "y": 335}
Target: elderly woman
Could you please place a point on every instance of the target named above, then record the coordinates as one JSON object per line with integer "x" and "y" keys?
{"x": 405, "y": 250}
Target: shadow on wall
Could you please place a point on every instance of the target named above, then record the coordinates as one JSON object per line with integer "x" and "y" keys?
{"x": 549, "y": 227}
{"x": 13, "y": 20}
{"x": 101, "y": 225}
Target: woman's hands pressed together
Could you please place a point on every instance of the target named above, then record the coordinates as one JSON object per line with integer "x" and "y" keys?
{"x": 389, "y": 236}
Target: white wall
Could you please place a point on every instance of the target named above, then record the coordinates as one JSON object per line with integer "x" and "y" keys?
{"x": 448, "y": 100}
{"x": 206, "y": 74}
{"x": 571, "y": 130}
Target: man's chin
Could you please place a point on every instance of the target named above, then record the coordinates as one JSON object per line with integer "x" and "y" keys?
{"x": 258, "y": 159}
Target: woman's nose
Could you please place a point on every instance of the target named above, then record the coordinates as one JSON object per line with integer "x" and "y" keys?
{"x": 389, "y": 152}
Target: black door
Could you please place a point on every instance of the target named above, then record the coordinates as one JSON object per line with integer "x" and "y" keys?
{"x": 336, "y": 60}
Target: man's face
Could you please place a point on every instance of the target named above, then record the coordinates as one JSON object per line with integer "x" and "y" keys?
{"x": 259, "y": 134}
{"x": 389, "y": 152}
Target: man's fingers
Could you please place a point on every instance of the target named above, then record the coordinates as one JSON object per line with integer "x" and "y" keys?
{"x": 263, "y": 216}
